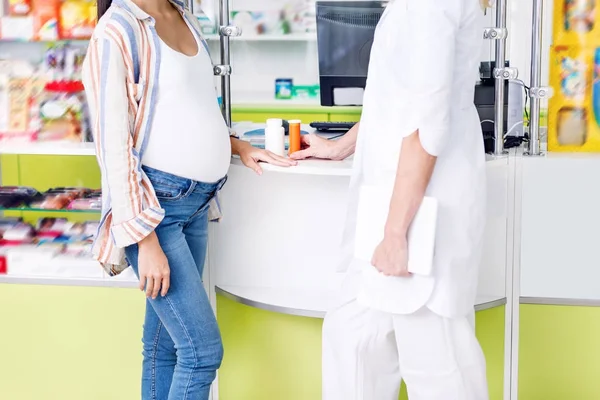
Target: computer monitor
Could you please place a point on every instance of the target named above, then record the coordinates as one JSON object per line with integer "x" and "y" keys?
{"x": 345, "y": 32}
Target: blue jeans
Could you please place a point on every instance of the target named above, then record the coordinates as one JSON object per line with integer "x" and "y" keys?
{"x": 182, "y": 342}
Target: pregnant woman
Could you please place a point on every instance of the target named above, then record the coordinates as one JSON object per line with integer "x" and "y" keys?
{"x": 164, "y": 150}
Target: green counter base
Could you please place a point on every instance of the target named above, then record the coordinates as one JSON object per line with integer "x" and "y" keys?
{"x": 559, "y": 353}
{"x": 75, "y": 343}
{"x": 70, "y": 343}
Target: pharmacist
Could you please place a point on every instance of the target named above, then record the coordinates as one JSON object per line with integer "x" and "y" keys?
{"x": 420, "y": 134}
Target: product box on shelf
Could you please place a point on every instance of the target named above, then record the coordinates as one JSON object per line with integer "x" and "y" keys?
{"x": 77, "y": 199}
{"x": 54, "y": 247}
{"x": 46, "y": 103}
{"x": 19, "y": 7}
{"x": 573, "y": 114}
{"x": 77, "y": 19}
{"x": 46, "y": 17}
{"x": 576, "y": 22}
{"x": 574, "y": 109}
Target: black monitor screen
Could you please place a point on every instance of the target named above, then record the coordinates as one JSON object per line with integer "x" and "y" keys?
{"x": 345, "y": 32}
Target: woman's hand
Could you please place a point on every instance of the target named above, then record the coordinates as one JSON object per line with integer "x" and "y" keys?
{"x": 315, "y": 146}
{"x": 251, "y": 157}
{"x": 153, "y": 267}
{"x": 391, "y": 256}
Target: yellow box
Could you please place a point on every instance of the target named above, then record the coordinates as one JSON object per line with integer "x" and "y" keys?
{"x": 573, "y": 119}
{"x": 576, "y": 22}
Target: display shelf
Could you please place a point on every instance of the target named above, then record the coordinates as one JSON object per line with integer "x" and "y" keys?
{"x": 65, "y": 281}
{"x": 295, "y": 37}
{"x": 44, "y": 41}
{"x": 45, "y": 210}
{"x": 48, "y": 148}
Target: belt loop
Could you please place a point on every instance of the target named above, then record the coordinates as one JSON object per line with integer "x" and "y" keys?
{"x": 222, "y": 183}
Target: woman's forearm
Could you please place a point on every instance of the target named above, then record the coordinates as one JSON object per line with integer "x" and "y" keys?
{"x": 237, "y": 145}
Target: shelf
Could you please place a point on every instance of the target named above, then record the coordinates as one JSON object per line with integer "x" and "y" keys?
{"x": 45, "y": 210}
{"x": 43, "y": 42}
{"x": 297, "y": 37}
{"x": 60, "y": 281}
{"x": 48, "y": 148}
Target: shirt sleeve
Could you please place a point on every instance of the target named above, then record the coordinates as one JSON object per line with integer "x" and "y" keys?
{"x": 433, "y": 27}
{"x": 105, "y": 77}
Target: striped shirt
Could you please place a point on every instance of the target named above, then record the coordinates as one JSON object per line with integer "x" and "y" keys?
{"x": 120, "y": 75}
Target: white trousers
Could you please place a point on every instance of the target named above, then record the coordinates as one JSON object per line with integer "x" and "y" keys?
{"x": 367, "y": 353}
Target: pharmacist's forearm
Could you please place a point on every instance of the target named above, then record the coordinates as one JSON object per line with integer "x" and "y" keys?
{"x": 415, "y": 168}
{"x": 346, "y": 145}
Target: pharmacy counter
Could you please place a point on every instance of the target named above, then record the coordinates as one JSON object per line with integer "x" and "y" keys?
{"x": 277, "y": 248}
{"x": 273, "y": 260}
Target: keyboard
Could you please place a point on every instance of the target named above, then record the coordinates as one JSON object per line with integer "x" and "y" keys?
{"x": 333, "y": 127}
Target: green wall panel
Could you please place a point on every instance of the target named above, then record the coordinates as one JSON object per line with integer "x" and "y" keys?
{"x": 261, "y": 117}
{"x": 70, "y": 343}
{"x": 350, "y": 117}
{"x": 9, "y": 169}
{"x": 44, "y": 172}
{"x": 559, "y": 353}
{"x": 276, "y": 356}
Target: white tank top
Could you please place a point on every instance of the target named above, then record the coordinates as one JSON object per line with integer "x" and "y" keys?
{"x": 188, "y": 136}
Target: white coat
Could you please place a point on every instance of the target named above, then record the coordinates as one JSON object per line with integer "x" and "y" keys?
{"x": 422, "y": 74}
{"x": 421, "y": 77}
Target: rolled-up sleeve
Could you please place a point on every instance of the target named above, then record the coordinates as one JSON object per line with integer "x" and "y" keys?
{"x": 105, "y": 77}
{"x": 433, "y": 27}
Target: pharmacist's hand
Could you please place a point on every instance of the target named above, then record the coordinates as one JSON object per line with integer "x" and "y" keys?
{"x": 153, "y": 267}
{"x": 391, "y": 257}
{"x": 251, "y": 157}
{"x": 314, "y": 146}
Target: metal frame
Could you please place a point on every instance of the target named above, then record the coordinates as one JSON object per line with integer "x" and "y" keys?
{"x": 537, "y": 92}
{"x": 226, "y": 32}
{"x": 225, "y": 60}
{"x": 500, "y": 78}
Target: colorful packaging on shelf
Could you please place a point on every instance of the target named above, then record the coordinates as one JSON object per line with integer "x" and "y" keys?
{"x": 19, "y": 90}
{"x": 63, "y": 112}
{"x": 59, "y": 198}
{"x": 45, "y": 15}
{"x": 20, "y": 233}
{"x": 17, "y": 196}
{"x": 575, "y": 22}
{"x": 91, "y": 201}
{"x": 4, "y": 101}
{"x": 284, "y": 89}
{"x": 574, "y": 110}
{"x": 19, "y": 7}
{"x": 77, "y": 19}
{"x": 570, "y": 113}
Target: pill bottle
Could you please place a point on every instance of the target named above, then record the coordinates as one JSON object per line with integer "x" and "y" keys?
{"x": 275, "y": 137}
{"x": 295, "y": 138}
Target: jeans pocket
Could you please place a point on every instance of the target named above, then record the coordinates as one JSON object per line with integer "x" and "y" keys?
{"x": 167, "y": 187}
{"x": 166, "y": 192}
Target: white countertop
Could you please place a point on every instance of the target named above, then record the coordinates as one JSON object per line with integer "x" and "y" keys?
{"x": 309, "y": 167}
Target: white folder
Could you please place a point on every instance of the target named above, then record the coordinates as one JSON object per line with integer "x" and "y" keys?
{"x": 373, "y": 208}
